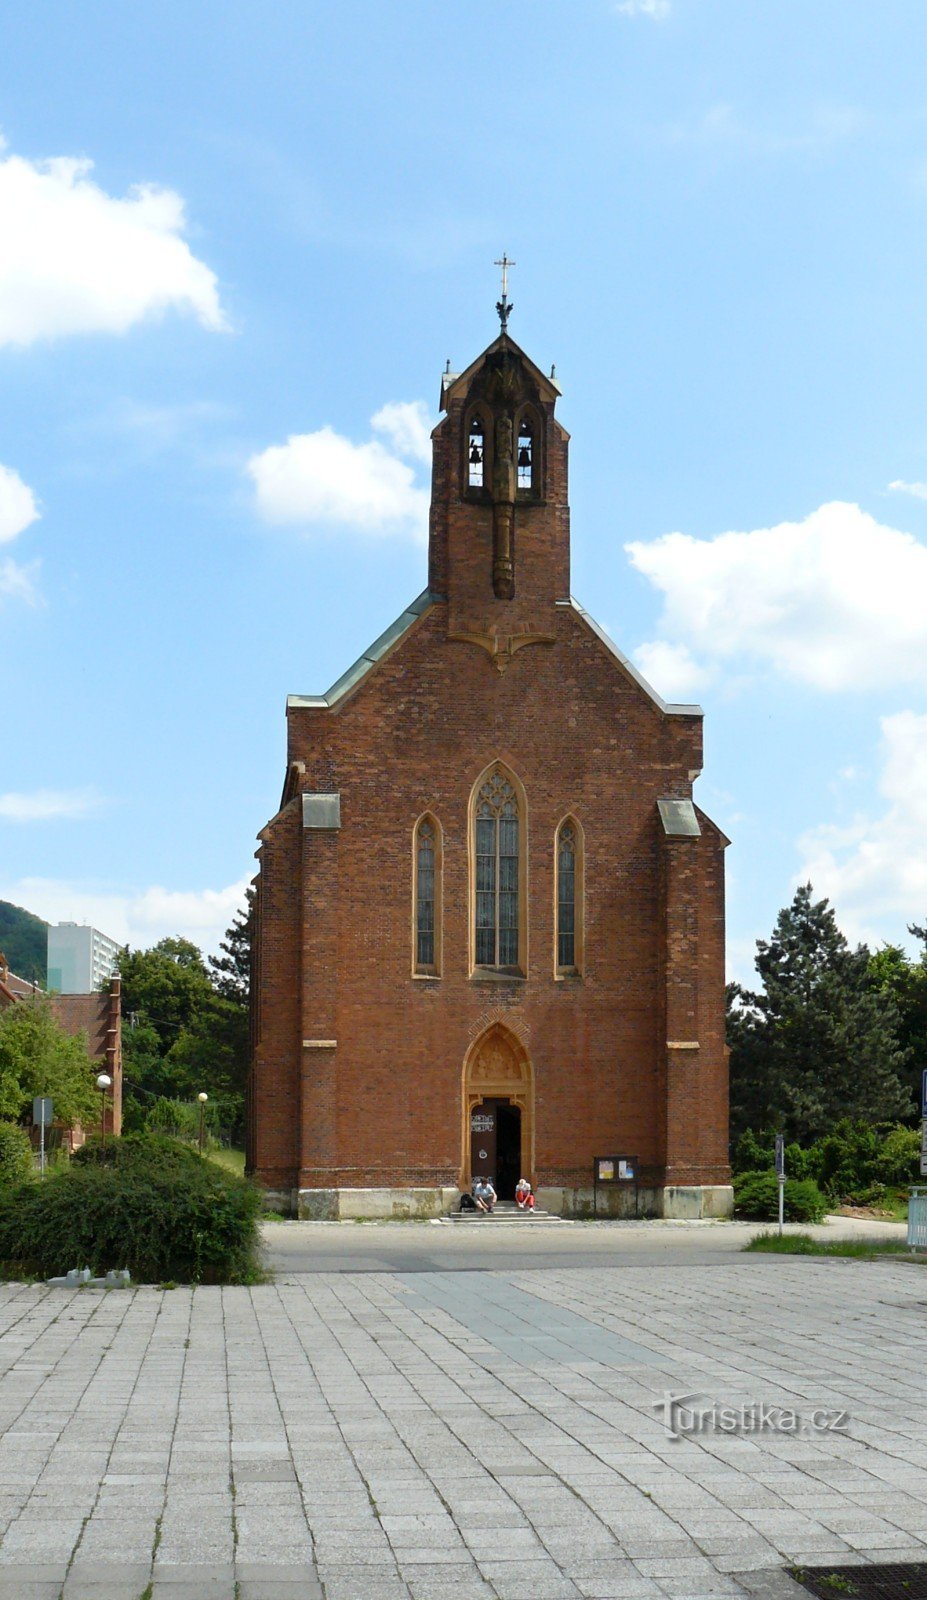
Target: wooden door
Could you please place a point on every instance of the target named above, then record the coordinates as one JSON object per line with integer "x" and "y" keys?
{"x": 483, "y": 1135}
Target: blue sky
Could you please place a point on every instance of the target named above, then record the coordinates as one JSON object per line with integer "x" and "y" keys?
{"x": 237, "y": 246}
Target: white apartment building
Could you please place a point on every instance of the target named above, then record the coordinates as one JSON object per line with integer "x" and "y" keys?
{"x": 80, "y": 958}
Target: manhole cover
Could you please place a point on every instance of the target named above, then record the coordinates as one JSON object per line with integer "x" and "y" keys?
{"x": 899, "y": 1581}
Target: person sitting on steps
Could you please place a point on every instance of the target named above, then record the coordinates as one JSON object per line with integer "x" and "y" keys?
{"x": 524, "y": 1199}
{"x": 484, "y": 1194}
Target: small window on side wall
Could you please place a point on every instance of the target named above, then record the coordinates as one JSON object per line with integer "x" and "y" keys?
{"x": 427, "y": 896}
{"x": 569, "y": 933}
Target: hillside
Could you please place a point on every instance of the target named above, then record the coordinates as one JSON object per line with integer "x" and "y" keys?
{"x": 24, "y": 941}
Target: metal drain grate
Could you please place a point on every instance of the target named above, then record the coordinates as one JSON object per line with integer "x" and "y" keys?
{"x": 898, "y": 1581}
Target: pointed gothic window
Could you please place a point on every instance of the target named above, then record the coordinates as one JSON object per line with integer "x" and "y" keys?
{"x": 525, "y": 455}
{"x": 566, "y": 897}
{"x": 497, "y": 874}
{"x": 569, "y": 905}
{"x": 476, "y": 452}
{"x": 427, "y": 899}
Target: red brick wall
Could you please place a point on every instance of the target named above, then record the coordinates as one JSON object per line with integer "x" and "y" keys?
{"x": 334, "y": 919}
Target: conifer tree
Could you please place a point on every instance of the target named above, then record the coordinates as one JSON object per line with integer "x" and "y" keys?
{"x": 818, "y": 1042}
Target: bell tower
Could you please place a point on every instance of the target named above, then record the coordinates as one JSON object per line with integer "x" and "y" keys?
{"x": 499, "y": 544}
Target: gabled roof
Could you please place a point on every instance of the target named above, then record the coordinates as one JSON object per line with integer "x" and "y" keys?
{"x": 454, "y": 385}
{"x": 671, "y": 708}
{"x": 365, "y": 663}
{"x": 397, "y": 630}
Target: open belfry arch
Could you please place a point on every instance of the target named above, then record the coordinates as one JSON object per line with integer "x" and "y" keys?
{"x": 489, "y": 917}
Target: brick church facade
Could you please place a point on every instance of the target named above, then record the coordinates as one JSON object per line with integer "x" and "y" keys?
{"x": 489, "y": 919}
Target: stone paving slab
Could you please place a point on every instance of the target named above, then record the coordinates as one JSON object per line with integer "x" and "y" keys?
{"x": 456, "y": 1435}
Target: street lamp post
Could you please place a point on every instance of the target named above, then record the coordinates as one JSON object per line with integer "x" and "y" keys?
{"x": 104, "y": 1082}
{"x": 202, "y": 1098}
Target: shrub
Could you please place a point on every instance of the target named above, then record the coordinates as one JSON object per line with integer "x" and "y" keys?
{"x": 845, "y": 1160}
{"x": 899, "y": 1158}
{"x": 756, "y": 1195}
{"x": 143, "y": 1202}
{"x": 16, "y": 1163}
{"x": 754, "y": 1152}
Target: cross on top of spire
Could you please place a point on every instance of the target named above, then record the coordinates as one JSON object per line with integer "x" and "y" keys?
{"x": 504, "y": 306}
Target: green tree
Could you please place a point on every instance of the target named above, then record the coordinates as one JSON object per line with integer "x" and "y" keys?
{"x": 164, "y": 987}
{"x": 231, "y": 971}
{"x": 187, "y": 1026}
{"x": 892, "y": 974}
{"x": 817, "y": 1043}
{"x": 37, "y": 1057}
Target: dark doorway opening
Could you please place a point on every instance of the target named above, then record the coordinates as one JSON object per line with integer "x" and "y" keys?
{"x": 508, "y": 1149}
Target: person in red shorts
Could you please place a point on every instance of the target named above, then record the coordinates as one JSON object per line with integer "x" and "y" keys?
{"x": 524, "y": 1199}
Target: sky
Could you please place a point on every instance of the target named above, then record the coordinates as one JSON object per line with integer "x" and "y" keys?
{"x": 237, "y": 246}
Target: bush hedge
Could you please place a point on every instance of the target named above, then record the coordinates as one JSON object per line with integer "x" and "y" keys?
{"x": 851, "y": 1161}
{"x": 144, "y": 1202}
{"x": 16, "y": 1162}
{"x": 756, "y": 1195}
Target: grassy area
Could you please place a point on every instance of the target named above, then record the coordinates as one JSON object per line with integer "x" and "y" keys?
{"x": 802, "y": 1244}
{"x": 231, "y": 1160}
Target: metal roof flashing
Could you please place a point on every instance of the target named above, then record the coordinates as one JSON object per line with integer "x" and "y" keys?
{"x": 678, "y": 818}
{"x": 670, "y": 708}
{"x": 365, "y": 663}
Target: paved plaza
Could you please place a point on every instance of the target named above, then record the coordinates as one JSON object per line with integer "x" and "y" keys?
{"x": 448, "y": 1433}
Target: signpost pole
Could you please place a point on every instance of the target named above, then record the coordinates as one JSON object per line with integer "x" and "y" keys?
{"x": 42, "y": 1113}
{"x": 780, "y": 1175}
{"x": 924, "y": 1123}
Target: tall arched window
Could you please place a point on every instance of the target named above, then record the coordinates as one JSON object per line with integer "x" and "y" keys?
{"x": 476, "y": 452}
{"x": 497, "y": 849}
{"x": 569, "y": 934}
{"x": 427, "y": 898}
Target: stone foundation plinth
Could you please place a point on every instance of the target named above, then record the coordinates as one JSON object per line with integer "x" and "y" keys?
{"x": 690, "y": 1203}
{"x": 345, "y": 1205}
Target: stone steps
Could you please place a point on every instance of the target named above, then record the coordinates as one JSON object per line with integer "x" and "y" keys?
{"x": 505, "y": 1211}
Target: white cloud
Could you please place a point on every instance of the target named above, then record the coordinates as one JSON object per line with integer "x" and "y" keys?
{"x": 47, "y": 805}
{"x": 407, "y": 426}
{"x": 138, "y": 917}
{"x": 671, "y": 669}
{"x": 838, "y": 601}
{"x": 658, "y": 10}
{"x": 74, "y": 259}
{"x": 17, "y": 505}
{"x": 323, "y": 478}
{"x": 17, "y": 582}
{"x": 875, "y": 869}
{"x": 918, "y": 490}
{"x": 18, "y": 509}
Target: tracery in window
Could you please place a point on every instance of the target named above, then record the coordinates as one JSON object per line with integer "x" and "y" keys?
{"x": 427, "y": 954}
{"x": 569, "y": 861}
{"x": 497, "y": 874}
{"x": 476, "y": 452}
{"x": 566, "y": 897}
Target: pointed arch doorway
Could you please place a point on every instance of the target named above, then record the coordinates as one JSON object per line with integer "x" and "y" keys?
{"x": 498, "y": 1112}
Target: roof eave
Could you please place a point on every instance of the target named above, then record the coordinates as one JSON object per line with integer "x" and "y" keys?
{"x": 670, "y": 708}
{"x": 360, "y": 670}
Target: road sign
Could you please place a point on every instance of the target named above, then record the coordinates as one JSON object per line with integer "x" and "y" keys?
{"x": 780, "y": 1156}
{"x": 42, "y": 1111}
